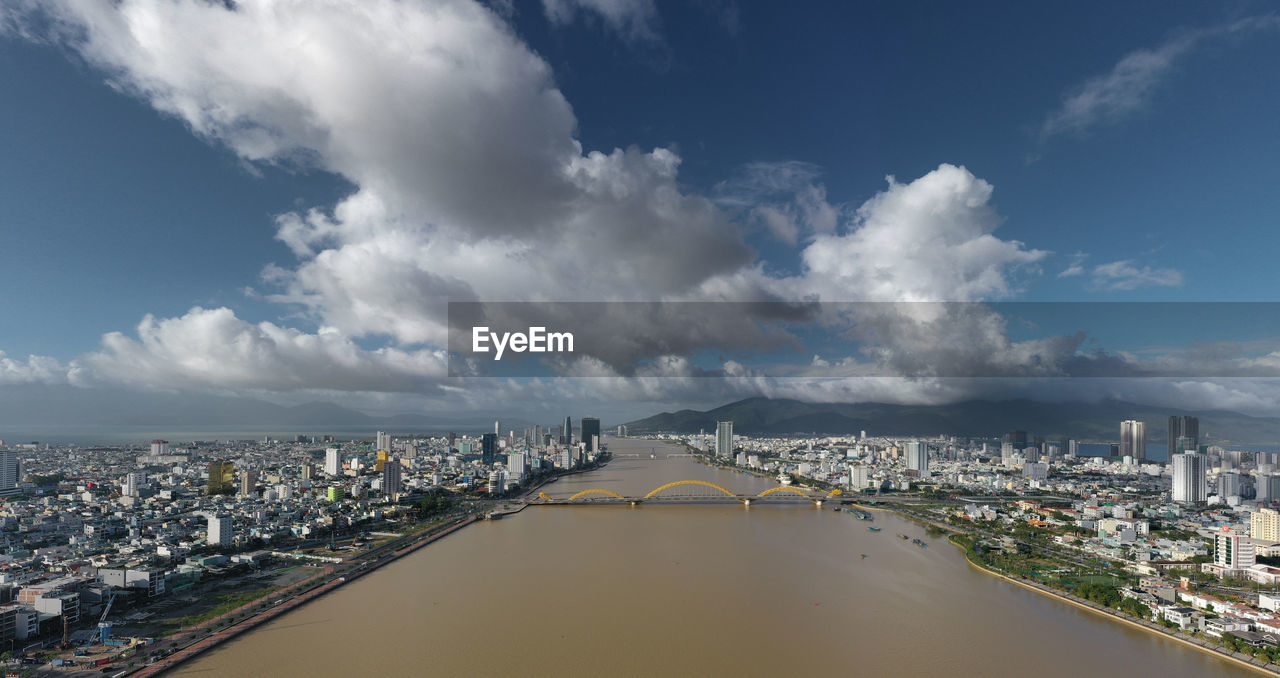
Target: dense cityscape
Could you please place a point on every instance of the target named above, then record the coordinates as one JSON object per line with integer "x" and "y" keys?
{"x": 117, "y": 555}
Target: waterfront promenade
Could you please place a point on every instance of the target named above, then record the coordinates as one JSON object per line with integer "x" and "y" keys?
{"x": 344, "y": 577}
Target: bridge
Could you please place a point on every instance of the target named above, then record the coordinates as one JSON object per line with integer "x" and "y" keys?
{"x": 660, "y": 494}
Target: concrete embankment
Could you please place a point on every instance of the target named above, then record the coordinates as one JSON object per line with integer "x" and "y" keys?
{"x": 270, "y": 613}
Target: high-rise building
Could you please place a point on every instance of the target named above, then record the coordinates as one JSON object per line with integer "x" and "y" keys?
{"x": 568, "y": 431}
{"x": 159, "y": 447}
{"x": 515, "y": 467}
{"x": 1017, "y": 438}
{"x": 453, "y": 438}
{"x": 391, "y": 479}
{"x": 1133, "y": 439}
{"x": 1035, "y": 471}
{"x": 1031, "y": 454}
{"x": 1073, "y": 449}
{"x": 381, "y": 463}
{"x": 1233, "y": 551}
{"x": 220, "y": 532}
{"x": 859, "y": 478}
{"x": 222, "y": 477}
{"x": 384, "y": 441}
{"x": 248, "y": 483}
{"x": 1183, "y": 427}
{"x": 488, "y": 448}
{"x": 1190, "y": 483}
{"x": 918, "y": 457}
{"x": 1264, "y": 525}
{"x": 590, "y": 432}
{"x": 724, "y": 439}
{"x": 133, "y": 484}
{"x": 1267, "y": 488}
{"x": 307, "y": 470}
{"x": 10, "y": 472}
{"x": 1228, "y": 484}
{"x": 333, "y": 461}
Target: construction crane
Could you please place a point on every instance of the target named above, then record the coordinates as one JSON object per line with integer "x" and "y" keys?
{"x": 102, "y": 620}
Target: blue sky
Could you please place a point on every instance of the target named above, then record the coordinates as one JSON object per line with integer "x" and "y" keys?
{"x": 1130, "y": 146}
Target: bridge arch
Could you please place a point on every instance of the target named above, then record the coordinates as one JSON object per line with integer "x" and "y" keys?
{"x": 596, "y": 491}
{"x": 783, "y": 488}
{"x": 677, "y": 483}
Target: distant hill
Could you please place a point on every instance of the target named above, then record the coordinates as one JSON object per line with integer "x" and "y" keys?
{"x": 974, "y": 418}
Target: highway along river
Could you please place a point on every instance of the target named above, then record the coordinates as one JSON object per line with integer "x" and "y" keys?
{"x": 708, "y": 590}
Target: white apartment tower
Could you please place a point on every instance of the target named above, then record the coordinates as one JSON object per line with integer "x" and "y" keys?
{"x": 724, "y": 439}
{"x": 918, "y": 457}
{"x": 332, "y": 461}
{"x": 1190, "y": 484}
{"x": 220, "y": 533}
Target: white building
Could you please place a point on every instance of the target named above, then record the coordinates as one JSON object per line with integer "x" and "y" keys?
{"x": 918, "y": 457}
{"x": 333, "y": 461}
{"x": 1037, "y": 471}
{"x": 516, "y": 466}
{"x": 1228, "y": 484}
{"x": 1190, "y": 483}
{"x": 220, "y": 532}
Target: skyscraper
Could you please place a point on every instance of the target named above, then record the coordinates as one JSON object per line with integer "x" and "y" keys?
{"x": 918, "y": 457}
{"x": 515, "y": 467}
{"x": 1017, "y": 438}
{"x": 1190, "y": 484}
{"x": 248, "y": 483}
{"x": 1133, "y": 439}
{"x": 1183, "y": 427}
{"x": 391, "y": 477}
{"x": 1264, "y": 525}
{"x": 333, "y": 461}
{"x": 222, "y": 477}
{"x": 381, "y": 461}
{"x": 1267, "y": 488}
{"x": 724, "y": 439}
{"x": 488, "y": 448}
{"x": 590, "y": 432}
{"x": 568, "y": 431}
{"x": 10, "y": 473}
{"x": 1228, "y": 484}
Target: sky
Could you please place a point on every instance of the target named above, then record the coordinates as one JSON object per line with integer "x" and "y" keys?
{"x": 278, "y": 198}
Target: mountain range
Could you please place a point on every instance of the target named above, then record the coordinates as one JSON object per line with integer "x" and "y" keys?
{"x": 1085, "y": 421}
{"x": 59, "y": 405}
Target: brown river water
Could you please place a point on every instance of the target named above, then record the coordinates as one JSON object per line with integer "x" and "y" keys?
{"x": 701, "y": 590}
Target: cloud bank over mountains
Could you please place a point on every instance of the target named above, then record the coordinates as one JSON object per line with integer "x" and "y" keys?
{"x": 470, "y": 184}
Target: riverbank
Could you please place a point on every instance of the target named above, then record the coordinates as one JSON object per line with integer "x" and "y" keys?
{"x": 248, "y": 624}
{"x": 1199, "y": 644}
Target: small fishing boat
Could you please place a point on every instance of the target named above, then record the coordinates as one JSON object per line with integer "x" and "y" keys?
{"x": 873, "y": 528}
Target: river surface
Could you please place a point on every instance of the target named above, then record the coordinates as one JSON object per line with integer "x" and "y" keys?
{"x": 704, "y": 590}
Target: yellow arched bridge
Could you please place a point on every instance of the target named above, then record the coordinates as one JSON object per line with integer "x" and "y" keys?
{"x": 661, "y": 494}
